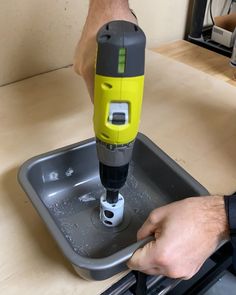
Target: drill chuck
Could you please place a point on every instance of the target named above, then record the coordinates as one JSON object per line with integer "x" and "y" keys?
{"x": 113, "y": 178}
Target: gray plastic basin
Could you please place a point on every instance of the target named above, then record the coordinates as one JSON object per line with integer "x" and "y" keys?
{"x": 65, "y": 188}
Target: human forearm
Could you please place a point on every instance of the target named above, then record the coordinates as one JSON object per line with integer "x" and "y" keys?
{"x": 108, "y": 6}
{"x": 216, "y": 216}
{"x": 101, "y": 11}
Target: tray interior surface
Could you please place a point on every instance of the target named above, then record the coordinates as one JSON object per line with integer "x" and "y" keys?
{"x": 69, "y": 186}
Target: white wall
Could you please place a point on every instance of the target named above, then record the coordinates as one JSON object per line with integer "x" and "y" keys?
{"x": 162, "y": 20}
{"x": 40, "y": 35}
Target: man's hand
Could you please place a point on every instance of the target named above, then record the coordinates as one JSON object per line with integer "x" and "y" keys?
{"x": 100, "y": 12}
{"x": 186, "y": 233}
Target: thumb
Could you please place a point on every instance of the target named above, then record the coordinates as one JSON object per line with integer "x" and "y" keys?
{"x": 152, "y": 224}
{"x": 144, "y": 258}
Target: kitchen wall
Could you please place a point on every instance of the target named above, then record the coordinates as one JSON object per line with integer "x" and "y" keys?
{"x": 39, "y": 36}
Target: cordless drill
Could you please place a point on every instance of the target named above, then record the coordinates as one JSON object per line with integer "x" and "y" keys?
{"x": 118, "y": 93}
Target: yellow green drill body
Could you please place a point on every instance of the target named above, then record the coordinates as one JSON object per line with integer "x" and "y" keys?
{"x": 118, "y": 92}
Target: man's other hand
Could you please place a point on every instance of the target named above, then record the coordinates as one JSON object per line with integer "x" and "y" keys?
{"x": 186, "y": 233}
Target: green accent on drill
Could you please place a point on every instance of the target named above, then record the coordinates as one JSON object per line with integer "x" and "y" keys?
{"x": 121, "y": 60}
{"x": 122, "y": 51}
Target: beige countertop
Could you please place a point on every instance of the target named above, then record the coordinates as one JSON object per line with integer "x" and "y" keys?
{"x": 189, "y": 114}
{"x": 200, "y": 58}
